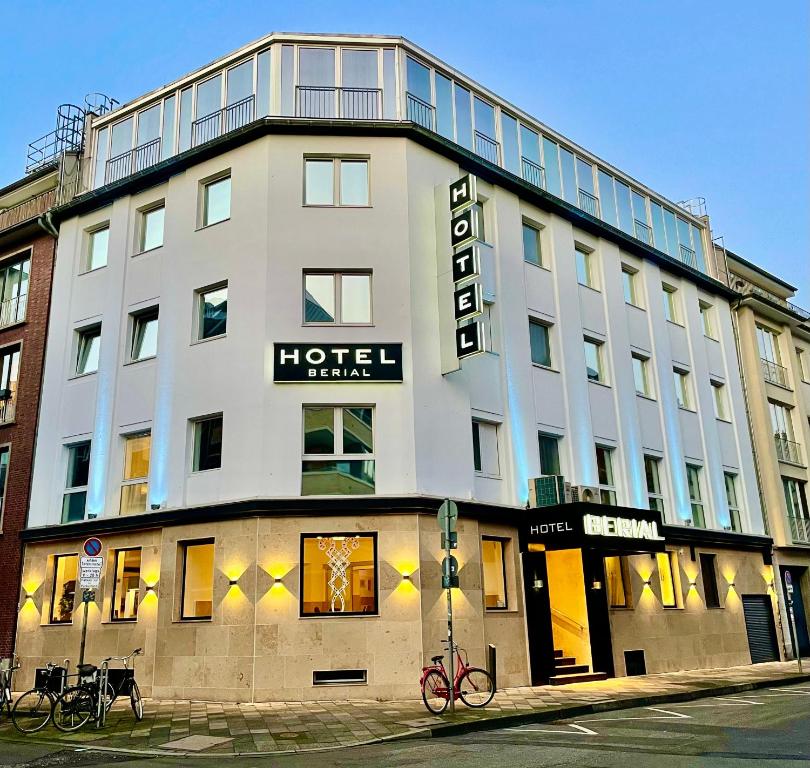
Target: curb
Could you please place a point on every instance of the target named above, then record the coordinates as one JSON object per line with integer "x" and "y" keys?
{"x": 443, "y": 730}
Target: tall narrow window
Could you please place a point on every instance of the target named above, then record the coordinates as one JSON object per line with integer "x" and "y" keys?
{"x": 594, "y": 364}
{"x": 655, "y": 496}
{"x": 735, "y": 521}
{"x": 683, "y": 393}
{"x": 207, "y": 434}
{"x": 197, "y": 599}
{"x": 135, "y": 485}
{"x": 787, "y": 449}
{"x": 338, "y": 451}
{"x": 584, "y": 264}
{"x": 9, "y": 375}
{"x": 127, "y": 585}
{"x": 671, "y": 309}
{"x": 720, "y": 400}
{"x": 801, "y": 358}
{"x": 604, "y": 466}
{"x": 5, "y": 454}
{"x": 708, "y": 571}
{"x": 531, "y": 245}
{"x": 693, "y": 473}
{"x": 151, "y": 234}
{"x": 87, "y": 349}
{"x": 97, "y": 242}
{"x": 641, "y": 375}
{"x": 77, "y": 474}
{"x": 549, "y": 454}
{"x": 670, "y": 579}
{"x": 216, "y": 202}
{"x": 338, "y": 574}
{"x": 798, "y": 511}
{"x": 539, "y": 341}
{"x": 65, "y": 569}
{"x": 706, "y": 313}
{"x": 629, "y": 280}
{"x": 212, "y": 312}
{"x": 144, "y": 334}
{"x": 337, "y": 298}
{"x": 14, "y": 282}
{"x": 618, "y": 583}
{"x": 485, "y": 448}
{"x": 494, "y": 567}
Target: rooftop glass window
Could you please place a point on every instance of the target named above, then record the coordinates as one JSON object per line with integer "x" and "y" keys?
{"x": 463, "y": 117}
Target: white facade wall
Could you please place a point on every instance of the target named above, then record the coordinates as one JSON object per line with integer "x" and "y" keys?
{"x": 422, "y": 427}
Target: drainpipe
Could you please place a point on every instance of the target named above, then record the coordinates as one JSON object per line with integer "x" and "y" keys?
{"x": 45, "y": 222}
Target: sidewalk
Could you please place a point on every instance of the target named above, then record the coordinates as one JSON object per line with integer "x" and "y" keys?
{"x": 217, "y": 729}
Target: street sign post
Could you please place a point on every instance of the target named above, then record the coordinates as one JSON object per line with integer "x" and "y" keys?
{"x": 447, "y": 518}
{"x": 91, "y": 564}
{"x": 792, "y": 616}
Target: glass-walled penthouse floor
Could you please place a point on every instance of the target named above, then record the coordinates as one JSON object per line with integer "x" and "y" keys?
{"x": 320, "y": 80}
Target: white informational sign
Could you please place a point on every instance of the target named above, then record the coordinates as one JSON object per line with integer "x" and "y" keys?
{"x": 90, "y": 572}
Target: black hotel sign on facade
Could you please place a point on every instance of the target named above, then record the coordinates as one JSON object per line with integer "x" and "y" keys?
{"x": 467, "y": 298}
{"x": 294, "y": 362}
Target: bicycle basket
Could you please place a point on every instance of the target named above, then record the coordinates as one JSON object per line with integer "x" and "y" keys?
{"x": 54, "y": 681}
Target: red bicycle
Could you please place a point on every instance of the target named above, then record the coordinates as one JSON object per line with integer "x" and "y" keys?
{"x": 473, "y": 685}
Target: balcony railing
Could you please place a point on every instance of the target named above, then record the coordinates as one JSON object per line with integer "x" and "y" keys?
{"x": 488, "y": 148}
{"x": 533, "y": 173}
{"x": 132, "y": 161}
{"x": 589, "y": 203}
{"x": 419, "y": 111}
{"x": 688, "y": 257}
{"x": 13, "y": 310}
{"x": 28, "y": 209}
{"x": 799, "y": 529}
{"x": 330, "y": 102}
{"x": 774, "y": 373}
{"x": 643, "y": 232}
{"x": 222, "y": 121}
{"x": 746, "y": 288}
{"x": 7, "y": 406}
{"x": 787, "y": 450}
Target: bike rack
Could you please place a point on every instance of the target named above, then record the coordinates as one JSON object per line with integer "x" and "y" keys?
{"x": 101, "y": 712}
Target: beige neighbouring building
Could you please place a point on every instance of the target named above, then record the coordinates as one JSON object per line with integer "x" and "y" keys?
{"x": 774, "y": 341}
{"x": 257, "y": 394}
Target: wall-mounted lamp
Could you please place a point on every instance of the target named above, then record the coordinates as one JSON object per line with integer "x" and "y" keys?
{"x": 537, "y": 585}
{"x": 277, "y": 580}
{"x": 154, "y": 506}
{"x": 731, "y": 585}
{"x": 692, "y": 584}
{"x": 596, "y": 584}
{"x": 647, "y": 583}
{"x": 28, "y": 596}
{"x": 233, "y": 582}
{"x": 152, "y": 590}
{"x": 406, "y": 576}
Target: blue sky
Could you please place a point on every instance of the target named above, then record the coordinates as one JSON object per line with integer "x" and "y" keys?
{"x": 706, "y": 99}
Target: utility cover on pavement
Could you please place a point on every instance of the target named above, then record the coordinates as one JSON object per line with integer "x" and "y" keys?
{"x": 195, "y": 743}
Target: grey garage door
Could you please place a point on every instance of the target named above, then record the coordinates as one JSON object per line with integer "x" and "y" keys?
{"x": 760, "y": 628}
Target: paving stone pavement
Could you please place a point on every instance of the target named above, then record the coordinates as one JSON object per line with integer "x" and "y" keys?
{"x": 275, "y": 727}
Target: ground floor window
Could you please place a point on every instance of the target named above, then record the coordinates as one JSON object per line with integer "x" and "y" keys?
{"x": 65, "y": 569}
{"x": 494, "y": 562}
{"x": 670, "y": 579}
{"x": 197, "y": 599}
{"x": 708, "y": 571}
{"x": 126, "y": 588}
{"x": 618, "y": 583}
{"x": 338, "y": 574}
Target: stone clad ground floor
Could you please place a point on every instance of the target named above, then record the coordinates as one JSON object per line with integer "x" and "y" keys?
{"x": 287, "y": 607}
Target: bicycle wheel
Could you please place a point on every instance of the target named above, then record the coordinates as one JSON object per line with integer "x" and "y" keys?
{"x": 435, "y": 692}
{"x": 32, "y": 711}
{"x": 73, "y": 709}
{"x": 476, "y": 687}
{"x": 136, "y": 701}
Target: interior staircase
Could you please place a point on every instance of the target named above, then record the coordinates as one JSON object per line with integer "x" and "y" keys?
{"x": 568, "y": 671}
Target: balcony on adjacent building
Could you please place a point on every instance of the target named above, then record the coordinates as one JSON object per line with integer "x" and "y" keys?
{"x": 787, "y": 450}
{"x": 799, "y": 529}
{"x": 774, "y": 373}
{"x": 12, "y": 311}
{"x": 28, "y": 209}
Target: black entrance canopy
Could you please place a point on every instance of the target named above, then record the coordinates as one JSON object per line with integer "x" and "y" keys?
{"x": 581, "y": 525}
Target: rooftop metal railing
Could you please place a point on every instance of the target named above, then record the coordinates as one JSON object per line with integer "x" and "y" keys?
{"x": 487, "y": 147}
{"x": 333, "y": 102}
{"x": 787, "y": 450}
{"x": 688, "y": 256}
{"x": 589, "y": 203}
{"x": 419, "y": 111}
{"x": 222, "y": 121}
{"x": 643, "y": 232}
{"x": 774, "y": 373}
{"x": 28, "y": 209}
{"x": 533, "y": 172}
{"x": 132, "y": 161}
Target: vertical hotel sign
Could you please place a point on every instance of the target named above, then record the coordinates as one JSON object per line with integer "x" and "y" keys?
{"x": 468, "y": 301}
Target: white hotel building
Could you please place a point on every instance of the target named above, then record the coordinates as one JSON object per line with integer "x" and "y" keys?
{"x": 269, "y": 531}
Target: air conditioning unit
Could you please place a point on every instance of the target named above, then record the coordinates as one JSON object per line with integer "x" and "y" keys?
{"x": 587, "y": 493}
{"x": 549, "y": 490}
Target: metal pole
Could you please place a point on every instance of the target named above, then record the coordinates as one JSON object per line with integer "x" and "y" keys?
{"x": 452, "y": 686}
{"x": 796, "y": 651}
{"x": 86, "y": 603}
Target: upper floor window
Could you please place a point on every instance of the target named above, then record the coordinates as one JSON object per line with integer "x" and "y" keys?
{"x": 641, "y": 375}
{"x": 5, "y": 454}
{"x": 730, "y": 480}
{"x": 212, "y": 312}
{"x": 126, "y": 587}
{"x": 216, "y": 200}
{"x": 720, "y": 400}
{"x": 336, "y": 181}
{"x": 652, "y": 473}
{"x": 197, "y": 597}
{"x": 539, "y": 341}
{"x": 630, "y": 286}
{"x": 604, "y": 467}
{"x": 485, "y": 448}
{"x": 207, "y": 435}
{"x": 796, "y": 503}
{"x": 768, "y": 344}
{"x": 338, "y": 451}
{"x": 693, "y": 481}
{"x": 493, "y": 561}
{"x": 804, "y": 371}
{"x": 531, "y": 245}
{"x": 683, "y": 393}
{"x": 65, "y": 572}
{"x": 594, "y": 364}
{"x": 9, "y": 374}
{"x": 549, "y": 454}
{"x": 151, "y": 228}
{"x": 787, "y": 449}
{"x": 14, "y": 283}
{"x": 585, "y": 270}
{"x": 144, "y": 334}
{"x": 338, "y": 298}
{"x": 672, "y": 310}
{"x": 706, "y": 317}
{"x": 87, "y": 349}
{"x": 78, "y": 471}
{"x": 97, "y": 242}
{"x": 137, "y": 449}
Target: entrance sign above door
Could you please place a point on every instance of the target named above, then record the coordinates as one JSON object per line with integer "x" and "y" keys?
{"x": 580, "y": 525}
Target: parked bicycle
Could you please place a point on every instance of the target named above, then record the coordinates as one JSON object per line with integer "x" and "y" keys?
{"x": 473, "y": 685}
{"x": 7, "y": 668}
{"x": 34, "y": 708}
{"x": 86, "y": 701}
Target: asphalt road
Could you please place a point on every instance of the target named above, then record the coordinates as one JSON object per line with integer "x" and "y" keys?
{"x": 770, "y": 725}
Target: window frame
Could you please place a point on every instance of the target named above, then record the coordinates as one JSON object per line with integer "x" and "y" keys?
{"x": 337, "y": 177}
{"x": 720, "y": 398}
{"x": 21, "y": 260}
{"x": 707, "y": 319}
{"x": 644, "y": 367}
{"x": 541, "y": 435}
{"x": 598, "y": 344}
{"x": 143, "y": 213}
{"x": 5, "y": 448}
{"x": 82, "y": 334}
{"x": 337, "y": 614}
{"x": 146, "y": 314}
{"x": 588, "y": 264}
{"x": 683, "y": 389}
{"x": 533, "y": 321}
{"x": 114, "y": 580}
{"x": 526, "y": 224}
{"x": 337, "y": 276}
{"x": 694, "y": 502}
{"x": 672, "y": 307}
{"x": 203, "y": 206}
{"x": 51, "y": 619}
{"x": 656, "y": 462}
{"x": 196, "y": 423}
{"x": 734, "y": 510}
{"x": 624, "y": 570}
{"x": 629, "y": 281}
{"x": 485, "y": 471}
{"x": 184, "y": 545}
{"x": 503, "y": 542}
{"x": 125, "y": 482}
{"x": 87, "y": 251}
{"x": 675, "y": 575}
{"x": 73, "y": 489}
{"x": 713, "y": 587}
{"x": 199, "y": 306}
{"x": 608, "y": 488}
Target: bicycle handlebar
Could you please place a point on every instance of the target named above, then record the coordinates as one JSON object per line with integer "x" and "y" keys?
{"x": 136, "y": 652}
